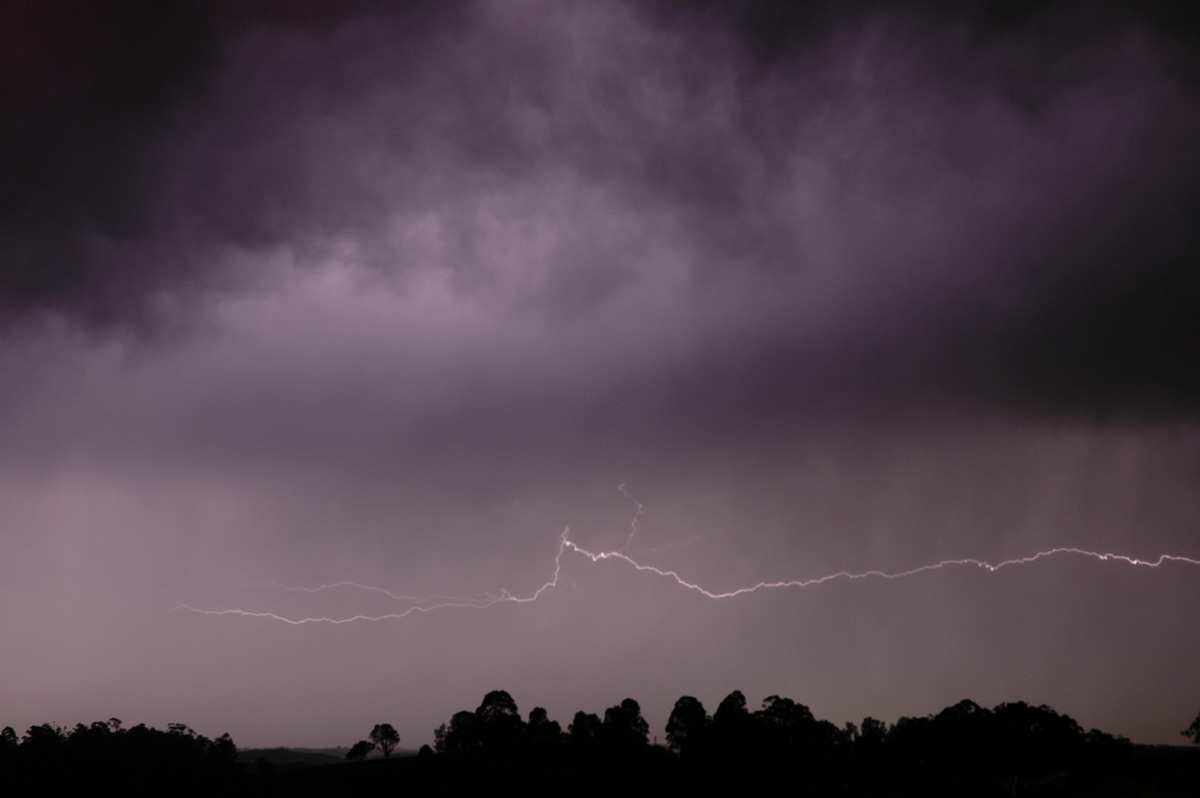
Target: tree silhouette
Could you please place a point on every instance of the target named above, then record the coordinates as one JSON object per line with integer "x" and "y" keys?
{"x": 540, "y": 730}
{"x": 624, "y": 726}
{"x": 1193, "y": 731}
{"x": 731, "y": 708}
{"x": 780, "y": 726}
{"x": 783, "y": 712}
{"x": 584, "y": 729}
{"x": 732, "y": 730}
{"x": 9, "y": 748}
{"x": 687, "y": 725}
{"x": 462, "y": 734}
{"x": 498, "y": 720}
{"x": 358, "y": 752}
{"x": 384, "y": 736}
{"x": 43, "y": 744}
{"x": 872, "y": 733}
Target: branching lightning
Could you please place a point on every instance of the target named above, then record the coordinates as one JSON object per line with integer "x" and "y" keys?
{"x": 416, "y": 604}
{"x": 479, "y": 601}
{"x": 633, "y": 528}
{"x": 799, "y": 583}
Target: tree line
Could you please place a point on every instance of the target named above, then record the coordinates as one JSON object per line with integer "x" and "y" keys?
{"x": 780, "y": 746}
{"x": 1012, "y": 749}
{"x": 52, "y": 760}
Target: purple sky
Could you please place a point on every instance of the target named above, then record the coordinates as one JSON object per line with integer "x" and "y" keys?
{"x": 295, "y": 294}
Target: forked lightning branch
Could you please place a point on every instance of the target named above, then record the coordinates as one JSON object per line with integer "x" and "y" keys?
{"x": 411, "y": 605}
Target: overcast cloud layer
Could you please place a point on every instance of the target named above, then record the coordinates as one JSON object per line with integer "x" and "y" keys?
{"x": 393, "y": 293}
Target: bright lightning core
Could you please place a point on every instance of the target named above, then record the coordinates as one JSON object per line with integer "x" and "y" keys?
{"x": 409, "y": 605}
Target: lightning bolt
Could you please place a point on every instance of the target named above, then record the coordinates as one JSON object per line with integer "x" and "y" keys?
{"x": 419, "y": 604}
{"x": 872, "y": 574}
{"x": 633, "y": 528}
{"x": 485, "y": 600}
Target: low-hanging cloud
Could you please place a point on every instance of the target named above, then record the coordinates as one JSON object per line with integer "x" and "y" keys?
{"x": 945, "y": 202}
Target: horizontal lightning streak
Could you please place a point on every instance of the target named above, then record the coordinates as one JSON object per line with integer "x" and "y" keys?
{"x": 483, "y": 601}
{"x": 482, "y": 597}
{"x": 992, "y": 567}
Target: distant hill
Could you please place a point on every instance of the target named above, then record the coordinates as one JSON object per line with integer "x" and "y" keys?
{"x": 292, "y": 757}
{"x": 286, "y": 757}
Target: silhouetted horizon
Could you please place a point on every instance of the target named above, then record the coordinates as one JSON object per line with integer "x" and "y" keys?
{"x": 1012, "y": 749}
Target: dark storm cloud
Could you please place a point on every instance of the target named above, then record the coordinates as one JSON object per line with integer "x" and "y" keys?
{"x": 912, "y": 204}
{"x": 89, "y": 89}
{"x": 97, "y": 106}
{"x": 1024, "y": 179}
